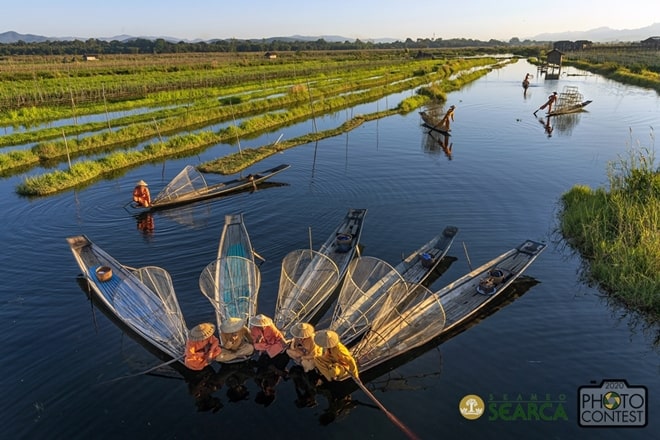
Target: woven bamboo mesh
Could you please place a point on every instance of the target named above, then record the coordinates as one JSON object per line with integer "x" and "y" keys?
{"x": 369, "y": 281}
{"x": 307, "y": 279}
{"x": 231, "y": 284}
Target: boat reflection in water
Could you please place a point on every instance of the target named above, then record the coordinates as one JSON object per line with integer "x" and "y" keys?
{"x": 564, "y": 124}
{"x": 435, "y": 142}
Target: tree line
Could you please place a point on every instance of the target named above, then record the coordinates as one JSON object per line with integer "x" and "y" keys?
{"x": 162, "y": 46}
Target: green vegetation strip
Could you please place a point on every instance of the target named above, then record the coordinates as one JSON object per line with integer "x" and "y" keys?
{"x": 85, "y": 172}
{"x": 338, "y": 92}
{"x": 618, "y": 231}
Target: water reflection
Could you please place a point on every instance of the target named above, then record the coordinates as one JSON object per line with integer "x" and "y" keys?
{"x": 565, "y": 124}
{"x": 145, "y": 224}
{"x": 547, "y": 126}
{"x": 435, "y": 143}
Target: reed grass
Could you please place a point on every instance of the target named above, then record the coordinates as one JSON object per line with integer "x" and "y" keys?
{"x": 617, "y": 231}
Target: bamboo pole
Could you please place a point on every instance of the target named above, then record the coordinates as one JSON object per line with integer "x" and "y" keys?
{"x": 399, "y": 424}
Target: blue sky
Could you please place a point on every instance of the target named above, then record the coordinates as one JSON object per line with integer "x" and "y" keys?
{"x": 363, "y": 19}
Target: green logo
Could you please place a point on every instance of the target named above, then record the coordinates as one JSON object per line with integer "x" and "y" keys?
{"x": 611, "y": 400}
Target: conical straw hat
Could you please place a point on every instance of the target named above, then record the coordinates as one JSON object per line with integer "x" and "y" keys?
{"x": 231, "y": 325}
{"x": 302, "y": 330}
{"x": 202, "y": 331}
{"x": 141, "y": 183}
{"x": 326, "y": 339}
{"x": 261, "y": 321}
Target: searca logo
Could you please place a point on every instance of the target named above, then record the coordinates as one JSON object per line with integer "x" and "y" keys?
{"x": 515, "y": 407}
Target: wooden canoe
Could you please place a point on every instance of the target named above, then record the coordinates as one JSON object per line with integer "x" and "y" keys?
{"x": 364, "y": 291}
{"x": 142, "y": 299}
{"x": 398, "y": 330}
{"x": 569, "y": 109}
{"x": 231, "y": 283}
{"x": 308, "y": 278}
{"x": 190, "y": 186}
{"x": 430, "y": 123}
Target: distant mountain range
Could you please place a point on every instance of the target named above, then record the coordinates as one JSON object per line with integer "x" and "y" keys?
{"x": 603, "y": 34}
{"x": 598, "y": 35}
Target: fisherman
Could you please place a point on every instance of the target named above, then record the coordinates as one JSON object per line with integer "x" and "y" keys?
{"x": 551, "y": 100}
{"x": 444, "y": 123}
{"x": 141, "y": 194}
{"x": 235, "y": 340}
{"x": 202, "y": 346}
{"x": 525, "y": 82}
{"x": 303, "y": 349}
{"x": 336, "y": 362}
{"x": 266, "y": 338}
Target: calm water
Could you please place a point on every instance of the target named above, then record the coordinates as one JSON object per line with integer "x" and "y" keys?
{"x": 500, "y": 187}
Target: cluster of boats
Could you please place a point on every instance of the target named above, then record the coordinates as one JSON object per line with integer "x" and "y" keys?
{"x": 380, "y": 311}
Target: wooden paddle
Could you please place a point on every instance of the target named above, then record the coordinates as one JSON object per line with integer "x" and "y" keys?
{"x": 411, "y": 435}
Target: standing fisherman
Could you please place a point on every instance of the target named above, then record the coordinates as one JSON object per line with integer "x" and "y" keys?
{"x": 444, "y": 123}
{"x": 551, "y": 100}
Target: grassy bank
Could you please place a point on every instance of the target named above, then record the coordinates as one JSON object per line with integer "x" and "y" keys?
{"x": 634, "y": 66}
{"x": 617, "y": 231}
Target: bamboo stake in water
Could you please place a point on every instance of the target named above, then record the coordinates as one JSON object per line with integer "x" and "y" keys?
{"x": 66, "y": 145}
{"x": 467, "y": 256}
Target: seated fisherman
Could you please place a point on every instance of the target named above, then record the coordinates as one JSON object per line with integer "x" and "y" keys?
{"x": 141, "y": 194}
{"x": 235, "y": 340}
{"x": 202, "y": 346}
{"x": 266, "y": 338}
{"x": 336, "y": 362}
{"x": 303, "y": 349}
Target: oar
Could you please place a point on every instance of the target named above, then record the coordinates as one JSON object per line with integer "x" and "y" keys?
{"x": 145, "y": 371}
{"x": 411, "y": 435}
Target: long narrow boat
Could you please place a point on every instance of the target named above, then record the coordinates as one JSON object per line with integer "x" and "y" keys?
{"x": 231, "y": 283}
{"x": 366, "y": 287}
{"x": 190, "y": 186}
{"x": 570, "y": 100}
{"x": 143, "y": 299}
{"x": 397, "y": 330}
{"x": 308, "y": 278}
{"x": 429, "y": 122}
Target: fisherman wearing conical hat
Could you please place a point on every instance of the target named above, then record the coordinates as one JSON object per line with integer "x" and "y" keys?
{"x": 202, "y": 346}
{"x": 303, "y": 349}
{"x": 141, "y": 195}
{"x": 235, "y": 340}
{"x": 336, "y": 362}
{"x": 266, "y": 338}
